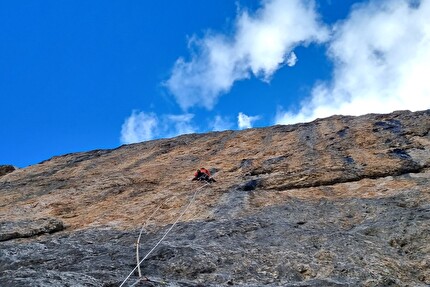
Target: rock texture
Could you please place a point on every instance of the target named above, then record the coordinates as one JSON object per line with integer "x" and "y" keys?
{"x": 342, "y": 201}
{"x": 28, "y": 228}
{"x": 5, "y": 169}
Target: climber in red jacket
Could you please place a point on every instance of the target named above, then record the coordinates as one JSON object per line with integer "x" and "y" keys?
{"x": 203, "y": 174}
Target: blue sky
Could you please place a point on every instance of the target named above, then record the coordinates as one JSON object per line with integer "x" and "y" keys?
{"x": 83, "y": 75}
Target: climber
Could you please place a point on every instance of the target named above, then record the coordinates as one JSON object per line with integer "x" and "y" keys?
{"x": 203, "y": 174}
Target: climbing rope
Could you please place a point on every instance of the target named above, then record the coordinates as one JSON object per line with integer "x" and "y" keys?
{"x": 141, "y": 231}
{"x": 145, "y": 279}
{"x": 164, "y": 236}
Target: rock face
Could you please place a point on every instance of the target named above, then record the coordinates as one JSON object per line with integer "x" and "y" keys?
{"x": 29, "y": 228}
{"x": 342, "y": 201}
{"x": 5, "y": 169}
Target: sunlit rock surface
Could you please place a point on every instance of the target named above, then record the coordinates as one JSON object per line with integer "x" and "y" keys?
{"x": 342, "y": 201}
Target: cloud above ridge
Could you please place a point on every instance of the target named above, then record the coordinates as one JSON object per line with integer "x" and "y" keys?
{"x": 220, "y": 123}
{"x": 381, "y": 57}
{"x": 245, "y": 121}
{"x": 141, "y": 126}
{"x": 262, "y": 42}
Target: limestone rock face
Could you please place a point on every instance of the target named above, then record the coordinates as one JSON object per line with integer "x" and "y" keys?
{"x": 341, "y": 201}
{"x": 29, "y": 228}
{"x": 5, "y": 169}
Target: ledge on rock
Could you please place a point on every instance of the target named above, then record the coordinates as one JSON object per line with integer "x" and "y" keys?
{"x": 29, "y": 228}
{"x": 5, "y": 169}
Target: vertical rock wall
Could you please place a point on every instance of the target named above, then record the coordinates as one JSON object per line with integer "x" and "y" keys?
{"x": 342, "y": 201}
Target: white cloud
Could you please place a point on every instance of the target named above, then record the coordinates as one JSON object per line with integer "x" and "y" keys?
{"x": 141, "y": 126}
{"x": 381, "y": 56}
{"x": 245, "y": 122}
{"x": 221, "y": 123}
{"x": 261, "y": 44}
{"x": 292, "y": 59}
{"x": 182, "y": 124}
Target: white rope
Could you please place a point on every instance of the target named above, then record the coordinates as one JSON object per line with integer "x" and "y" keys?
{"x": 141, "y": 231}
{"x": 165, "y": 234}
{"x": 134, "y": 284}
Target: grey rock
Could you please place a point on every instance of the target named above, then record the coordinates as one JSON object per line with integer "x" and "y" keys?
{"x": 343, "y": 201}
{"x": 29, "y": 228}
{"x": 297, "y": 244}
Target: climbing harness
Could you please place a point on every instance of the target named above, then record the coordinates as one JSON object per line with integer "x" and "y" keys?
{"x": 162, "y": 238}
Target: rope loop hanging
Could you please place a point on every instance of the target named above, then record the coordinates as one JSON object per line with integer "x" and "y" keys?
{"x": 164, "y": 236}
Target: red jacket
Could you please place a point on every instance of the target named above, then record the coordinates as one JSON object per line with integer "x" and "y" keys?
{"x": 204, "y": 170}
